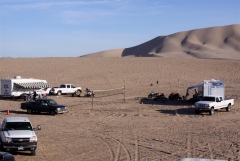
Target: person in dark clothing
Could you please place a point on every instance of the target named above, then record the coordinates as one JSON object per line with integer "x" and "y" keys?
{"x": 34, "y": 95}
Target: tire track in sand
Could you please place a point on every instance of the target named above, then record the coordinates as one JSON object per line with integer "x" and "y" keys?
{"x": 210, "y": 150}
{"x": 109, "y": 147}
{"x": 189, "y": 146}
{"x": 136, "y": 149}
{"x": 121, "y": 147}
{"x": 128, "y": 156}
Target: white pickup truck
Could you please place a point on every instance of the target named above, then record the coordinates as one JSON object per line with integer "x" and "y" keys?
{"x": 66, "y": 89}
{"x": 211, "y": 103}
{"x": 17, "y": 134}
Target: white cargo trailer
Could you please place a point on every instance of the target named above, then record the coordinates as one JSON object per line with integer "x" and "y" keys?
{"x": 17, "y": 86}
{"x": 210, "y": 87}
{"x": 213, "y": 88}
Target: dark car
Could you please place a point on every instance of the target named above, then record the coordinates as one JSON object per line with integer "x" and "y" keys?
{"x": 44, "y": 105}
{"x": 5, "y": 156}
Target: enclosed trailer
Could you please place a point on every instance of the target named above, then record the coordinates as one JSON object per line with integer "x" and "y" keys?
{"x": 17, "y": 86}
{"x": 213, "y": 88}
{"x": 210, "y": 87}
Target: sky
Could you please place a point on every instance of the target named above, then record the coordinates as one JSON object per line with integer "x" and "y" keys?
{"x": 71, "y": 28}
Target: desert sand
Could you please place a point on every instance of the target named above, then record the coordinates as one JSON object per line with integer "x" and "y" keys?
{"x": 135, "y": 129}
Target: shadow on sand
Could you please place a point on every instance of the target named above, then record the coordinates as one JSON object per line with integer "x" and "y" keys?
{"x": 181, "y": 107}
{"x": 166, "y": 103}
{"x": 179, "y": 111}
{"x": 13, "y": 111}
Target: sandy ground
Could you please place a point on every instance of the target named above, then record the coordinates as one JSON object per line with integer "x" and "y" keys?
{"x": 112, "y": 129}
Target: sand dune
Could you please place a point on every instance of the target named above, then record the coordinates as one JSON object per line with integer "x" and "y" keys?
{"x": 208, "y": 43}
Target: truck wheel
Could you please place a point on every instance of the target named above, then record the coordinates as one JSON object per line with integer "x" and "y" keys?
{"x": 52, "y": 112}
{"x": 78, "y": 93}
{"x": 29, "y": 111}
{"x": 211, "y": 112}
{"x": 33, "y": 152}
{"x": 59, "y": 93}
{"x": 228, "y": 108}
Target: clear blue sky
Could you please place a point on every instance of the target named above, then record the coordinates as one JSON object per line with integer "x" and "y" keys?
{"x": 70, "y": 28}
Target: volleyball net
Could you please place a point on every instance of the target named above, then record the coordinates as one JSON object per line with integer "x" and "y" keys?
{"x": 109, "y": 92}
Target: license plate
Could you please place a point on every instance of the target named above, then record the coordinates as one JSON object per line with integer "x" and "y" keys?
{"x": 20, "y": 148}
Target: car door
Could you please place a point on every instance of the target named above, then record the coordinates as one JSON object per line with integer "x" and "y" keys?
{"x": 37, "y": 105}
{"x": 72, "y": 89}
{"x": 220, "y": 102}
{"x": 44, "y": 106}
{"x": 68, "y": 88}
{"x": 63, "y": 87}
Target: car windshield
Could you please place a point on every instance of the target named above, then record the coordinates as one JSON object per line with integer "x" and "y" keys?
{"x": 18, "y": 126}
{"x": 52, "y": 102}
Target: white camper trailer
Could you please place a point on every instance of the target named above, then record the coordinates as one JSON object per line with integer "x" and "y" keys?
{"x": 210, "y": 88}
{"x": 213, "y": 88}
{"x": 17, "y": 86}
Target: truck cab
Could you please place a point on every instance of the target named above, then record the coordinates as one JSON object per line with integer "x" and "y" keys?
{"x": 18, "y": 134}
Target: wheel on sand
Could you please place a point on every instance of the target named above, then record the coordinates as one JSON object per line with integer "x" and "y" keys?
{"x": 228, "y": 108}
{"x": 211, "y": 112}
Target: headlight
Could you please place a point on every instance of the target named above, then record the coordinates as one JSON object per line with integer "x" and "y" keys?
{"x": 207, "y": 106}
{"x": 65, "y": 107}
{"x": 58, "y": 109}
{"x": 8, "y": 140}
{"x": 33, "y": 139}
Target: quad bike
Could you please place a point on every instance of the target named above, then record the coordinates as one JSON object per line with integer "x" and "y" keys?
{"x": 89, "y": 94}
{"x": 160, "y": 97}
{"x": 174, "y": 96}
{"x": 152, "y": 94}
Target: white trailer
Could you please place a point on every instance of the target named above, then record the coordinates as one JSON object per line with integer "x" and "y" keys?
{"x": 17, "y": 86}
{"x": 214, "y": 88}
{"x": 210, "y": 87}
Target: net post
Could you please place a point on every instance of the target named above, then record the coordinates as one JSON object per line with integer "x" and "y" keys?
{"x": 92, "y": 100}
{"x": 124, "y": 94}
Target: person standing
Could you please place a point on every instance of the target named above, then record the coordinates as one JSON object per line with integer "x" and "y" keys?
{"x": 34, "y": 95}
{"x": 44, "y": 93}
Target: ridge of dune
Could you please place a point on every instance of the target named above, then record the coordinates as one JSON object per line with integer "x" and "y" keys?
{"x": 106, "y": 53}
{"x": 220, "y": 42}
